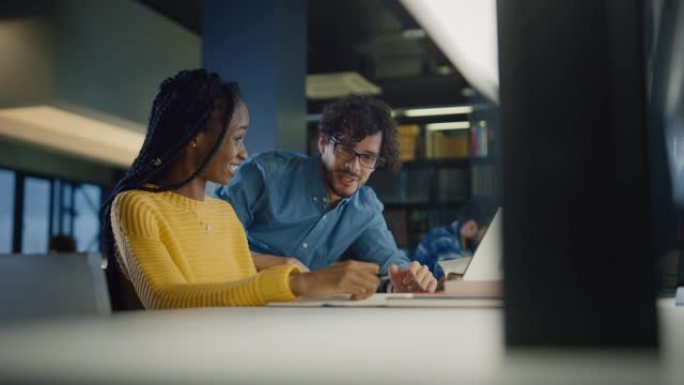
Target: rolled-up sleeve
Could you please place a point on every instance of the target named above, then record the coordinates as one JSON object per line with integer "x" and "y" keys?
{"x": 376, "y": 244}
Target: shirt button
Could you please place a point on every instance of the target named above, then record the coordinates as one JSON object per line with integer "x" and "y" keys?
{"x": 305, "y": 245}
{"x": 315, "y": 199}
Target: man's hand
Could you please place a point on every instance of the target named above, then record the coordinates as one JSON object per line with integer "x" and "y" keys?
{"x": 414, "y": 278}
{"x": 358, "y": 278}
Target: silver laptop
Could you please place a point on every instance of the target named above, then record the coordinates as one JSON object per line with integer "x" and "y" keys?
{"x": 485, "y": 264}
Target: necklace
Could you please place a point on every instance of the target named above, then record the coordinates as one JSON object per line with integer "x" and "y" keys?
{"x": 203, "y": 223}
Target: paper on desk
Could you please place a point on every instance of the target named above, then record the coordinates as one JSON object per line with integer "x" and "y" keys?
{"x": 443, "y": 299}
{"x": 343, "y": 300}
{"x": 411, "y": 300}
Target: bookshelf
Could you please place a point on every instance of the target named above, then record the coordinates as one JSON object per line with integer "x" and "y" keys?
{"x": 438, "y": 181}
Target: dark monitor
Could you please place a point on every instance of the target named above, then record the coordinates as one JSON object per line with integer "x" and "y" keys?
{"x": 664, "y": 27}
{"x": 666, "y": 70}
{"x": 578, "y": 264}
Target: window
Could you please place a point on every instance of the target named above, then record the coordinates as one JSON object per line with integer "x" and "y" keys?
{"x": 7, "y": 182}
{"x": 86, "y": 219}
{"x": 66, "y": 209}
{"x": 47, "y": 207}
{"x": 36, "y": 216}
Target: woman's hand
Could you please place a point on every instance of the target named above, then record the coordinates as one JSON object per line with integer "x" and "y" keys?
{"x": 360, "y": 279}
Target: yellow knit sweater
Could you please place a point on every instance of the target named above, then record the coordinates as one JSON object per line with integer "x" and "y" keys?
{"x": 180, "y": 252}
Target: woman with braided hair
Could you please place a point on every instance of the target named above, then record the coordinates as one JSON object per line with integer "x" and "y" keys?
{"x": 180, "y": 248}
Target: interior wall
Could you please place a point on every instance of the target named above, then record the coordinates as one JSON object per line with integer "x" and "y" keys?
{"x": 26, "y": 61}
{"x": 35, "y": 160}
{"x": 111, "y": 55}
{"x": 100, "y": 58}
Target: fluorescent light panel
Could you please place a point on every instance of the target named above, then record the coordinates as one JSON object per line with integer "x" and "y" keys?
{"x": 73, "y": 133}
{"x": 448, "y": 126}
{"x": 438, "y": 111}
{"x": 465, "y": 31}
{"x": 339, "y": 84}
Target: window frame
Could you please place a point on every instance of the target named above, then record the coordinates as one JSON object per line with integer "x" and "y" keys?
{"x": 55, "y": 183}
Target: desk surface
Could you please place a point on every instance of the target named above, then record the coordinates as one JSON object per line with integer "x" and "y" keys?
{"x": 315, "y": 346}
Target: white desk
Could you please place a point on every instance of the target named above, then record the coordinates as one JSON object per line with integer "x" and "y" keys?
{"x": 316, "y": 346}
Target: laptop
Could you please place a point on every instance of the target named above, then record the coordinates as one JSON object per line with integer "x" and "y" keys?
{"x": 485, "y": 264}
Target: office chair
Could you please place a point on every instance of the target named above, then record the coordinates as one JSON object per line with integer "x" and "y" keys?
{"x": 122, "y": 295}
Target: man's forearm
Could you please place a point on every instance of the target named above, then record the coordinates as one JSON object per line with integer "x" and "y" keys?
{"x": 264, "y": 261}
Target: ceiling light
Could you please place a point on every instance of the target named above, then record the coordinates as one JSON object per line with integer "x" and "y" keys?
{"x": 448, "y": 126}
{"x": 413, "y": 34}
{"x": 465, "y": 30}
{"x": 339, "y": 84}
{"x": 445, "y": 70}
{"x": 94, "y": 138}
{"x": 438, "y": 111}
{"x": 468, "y": 92}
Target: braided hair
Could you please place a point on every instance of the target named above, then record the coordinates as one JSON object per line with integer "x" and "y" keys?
{"x": 180, "y": 111}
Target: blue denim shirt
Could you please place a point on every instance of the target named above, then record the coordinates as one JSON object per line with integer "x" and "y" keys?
{"x": 280, "y": 199}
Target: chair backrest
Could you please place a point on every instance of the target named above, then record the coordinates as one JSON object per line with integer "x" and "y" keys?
{"x": 42, "y": 285}
{"x": 122, "y": 295}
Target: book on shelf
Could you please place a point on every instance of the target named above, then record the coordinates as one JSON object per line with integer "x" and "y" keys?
{"x": 479, "y": 139}
{"x": 407, "y": 135}
{"x": 443, "y": 145}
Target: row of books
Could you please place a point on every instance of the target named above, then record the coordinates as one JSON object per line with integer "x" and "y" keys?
{"x": 443, "y": 144}
{"x": 479, "y": 139}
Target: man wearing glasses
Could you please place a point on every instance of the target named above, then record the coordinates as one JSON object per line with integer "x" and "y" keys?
{"x": 315, "y": 210}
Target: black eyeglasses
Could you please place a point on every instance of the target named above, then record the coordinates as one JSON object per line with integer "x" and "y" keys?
{"x": 347, "y": 153}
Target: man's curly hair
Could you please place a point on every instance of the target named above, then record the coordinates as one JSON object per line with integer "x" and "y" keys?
{"x": 353, "y": 118}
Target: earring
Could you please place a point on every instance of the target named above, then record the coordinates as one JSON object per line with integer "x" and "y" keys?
{"x": 193, "y": 144}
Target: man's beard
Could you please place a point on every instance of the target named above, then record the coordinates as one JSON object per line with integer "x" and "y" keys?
{"x": 330, "y": 181}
